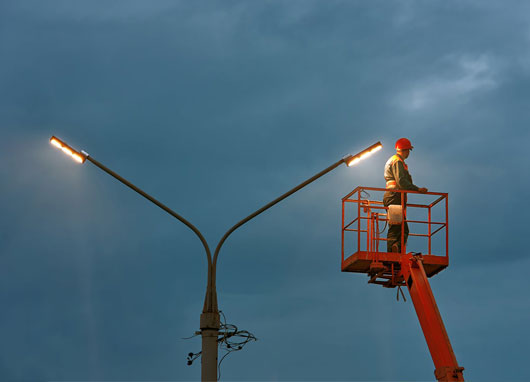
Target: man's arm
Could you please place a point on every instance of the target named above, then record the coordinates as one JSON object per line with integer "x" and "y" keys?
{"x": 403, "y": 181}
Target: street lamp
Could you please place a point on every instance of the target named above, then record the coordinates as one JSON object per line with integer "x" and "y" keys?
{"x": 211, "y": 313}
{"x": 352, "y": 160}
{"x": 209, "y": 321}
{"x": 79, "y": 157}
{"x": 82, "y": 156}
{"x": 349, "y": 160}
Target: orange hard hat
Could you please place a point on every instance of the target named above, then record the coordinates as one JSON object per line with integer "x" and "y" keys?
{"x": 403, "y": 144}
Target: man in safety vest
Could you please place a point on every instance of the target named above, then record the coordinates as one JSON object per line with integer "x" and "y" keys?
{"x": 397, "y": 177}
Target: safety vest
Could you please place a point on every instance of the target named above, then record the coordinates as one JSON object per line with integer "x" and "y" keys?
{"x": 389, "y": 175}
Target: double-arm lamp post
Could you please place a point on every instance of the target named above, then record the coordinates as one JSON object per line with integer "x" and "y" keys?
{"x": 209, "y": 322}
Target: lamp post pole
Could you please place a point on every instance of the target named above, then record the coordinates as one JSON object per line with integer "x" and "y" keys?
{"x": 210, "y": 315}
{"x": 209, "y": 320}
{"x": 349, "y": 160}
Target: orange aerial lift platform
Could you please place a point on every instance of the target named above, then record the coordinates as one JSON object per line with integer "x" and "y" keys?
{"x": 363, "y": 224}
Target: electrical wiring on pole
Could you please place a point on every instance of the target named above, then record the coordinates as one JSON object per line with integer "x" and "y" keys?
{"x": 230, "y": 339}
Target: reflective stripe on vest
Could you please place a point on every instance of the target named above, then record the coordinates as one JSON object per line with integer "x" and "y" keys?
{"x": 391, "y": 184}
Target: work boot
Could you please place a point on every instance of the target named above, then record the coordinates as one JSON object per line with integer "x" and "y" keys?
{"x": 395, "y": 248}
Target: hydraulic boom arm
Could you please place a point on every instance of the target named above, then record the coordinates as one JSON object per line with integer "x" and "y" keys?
{"x": 442, "y": 354}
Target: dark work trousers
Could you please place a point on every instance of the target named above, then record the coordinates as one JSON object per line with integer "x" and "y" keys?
{"x": 394, "y": 231}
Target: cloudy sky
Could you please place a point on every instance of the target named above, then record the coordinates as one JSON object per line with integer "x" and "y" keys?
{"x": 218, "y": 107}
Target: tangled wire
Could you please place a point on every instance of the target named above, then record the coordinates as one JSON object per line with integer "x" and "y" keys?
{"x": 230, "y": 339}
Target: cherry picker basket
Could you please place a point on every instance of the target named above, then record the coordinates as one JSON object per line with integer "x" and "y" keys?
{"x": 364, "y": 223}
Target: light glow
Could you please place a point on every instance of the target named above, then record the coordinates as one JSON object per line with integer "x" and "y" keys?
{"x": 67, "y": 151}
{"x": 354, "y": 159}
{"x": 77, "y": 156}
{"x": 56, "y": 143}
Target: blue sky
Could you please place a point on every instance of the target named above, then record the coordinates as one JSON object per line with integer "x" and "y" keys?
{"x": 216, "y": 108}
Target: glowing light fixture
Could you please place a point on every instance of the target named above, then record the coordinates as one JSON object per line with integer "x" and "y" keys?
{"x": 352, "y": 160}
{"x": 55, "y": 142}
{"x": 79, "y": 157}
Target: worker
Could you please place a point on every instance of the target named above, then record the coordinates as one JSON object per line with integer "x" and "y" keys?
{"x": 398, "y": 178}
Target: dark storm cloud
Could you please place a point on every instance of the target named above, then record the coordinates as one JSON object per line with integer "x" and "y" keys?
{"x": 216, "y": 108}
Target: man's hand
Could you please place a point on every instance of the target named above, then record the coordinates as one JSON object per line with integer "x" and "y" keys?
{"x": 423, "y": 190}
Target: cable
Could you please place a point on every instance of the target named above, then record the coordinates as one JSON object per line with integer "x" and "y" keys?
{"x": 230, "y": 339}
{"x": 384, "y": 227}
{"x": 403, "y": 294}
{"x": 227, "y": 340}
{"x": 366, "y": 195}
{"x": 193, "y": 356}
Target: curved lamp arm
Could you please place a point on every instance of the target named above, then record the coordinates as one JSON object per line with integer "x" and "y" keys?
{"x": 159, "y": 204}
{"x": 82, "y": 156}
{"x": 349, "y": 160}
